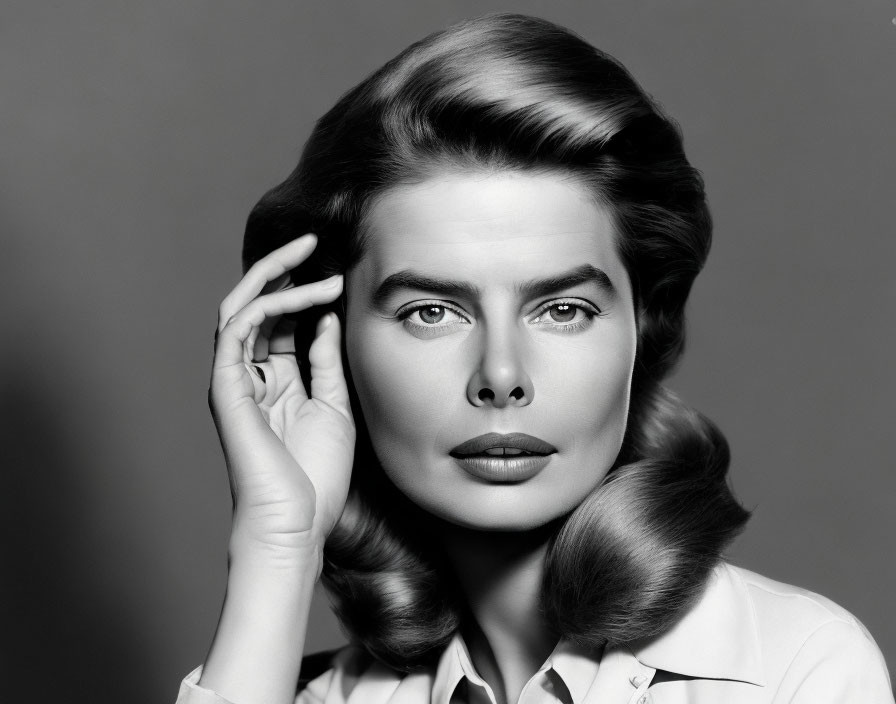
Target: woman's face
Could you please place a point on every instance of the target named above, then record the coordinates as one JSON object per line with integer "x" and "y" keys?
{"x": 492, "y": 304}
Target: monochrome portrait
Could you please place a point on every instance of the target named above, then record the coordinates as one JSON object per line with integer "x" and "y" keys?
{"x": 409, "y": 354}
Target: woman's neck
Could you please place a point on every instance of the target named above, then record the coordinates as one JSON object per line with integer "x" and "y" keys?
{"x": 500, "y": 575}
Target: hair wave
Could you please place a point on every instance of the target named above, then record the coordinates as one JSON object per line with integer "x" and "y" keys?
{"x": 514, "y": 92}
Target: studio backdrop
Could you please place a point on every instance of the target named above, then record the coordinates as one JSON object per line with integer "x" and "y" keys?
{"x": 134, "y": 139}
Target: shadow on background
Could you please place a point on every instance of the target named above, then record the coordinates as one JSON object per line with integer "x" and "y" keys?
{"x": 67, "y": 630}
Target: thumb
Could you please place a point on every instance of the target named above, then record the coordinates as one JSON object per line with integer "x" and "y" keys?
{"x": 325, "y": 355}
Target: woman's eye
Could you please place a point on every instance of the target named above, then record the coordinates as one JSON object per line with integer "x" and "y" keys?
{"x": 566, "y": 315}
{"x": 432, "y": 314}
{"x": 431, "y": 317}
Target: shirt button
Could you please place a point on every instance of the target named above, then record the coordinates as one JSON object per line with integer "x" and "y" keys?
{"x": 637, "y": 681}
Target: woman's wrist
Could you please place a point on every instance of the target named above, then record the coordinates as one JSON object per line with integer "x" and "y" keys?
{"x": 257, "y": 650}
{"x": 295, "y": 552}
{"x": 265, "y": 566}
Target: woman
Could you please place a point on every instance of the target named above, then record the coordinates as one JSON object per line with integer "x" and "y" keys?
{"x": 506, "y": 229}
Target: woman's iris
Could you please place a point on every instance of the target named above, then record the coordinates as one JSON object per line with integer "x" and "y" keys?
{"x": 563, "y": 312}
{"x": 432, "y": 314}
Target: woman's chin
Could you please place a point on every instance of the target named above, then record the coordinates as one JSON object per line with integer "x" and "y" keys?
{"x": 495, "y": 517}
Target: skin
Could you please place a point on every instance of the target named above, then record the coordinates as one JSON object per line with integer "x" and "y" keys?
{"x": 498, "y": 360}
{"x": 288, "y": 454}
{"x": 557, "y": 366}
{"x": 493, "y": 361}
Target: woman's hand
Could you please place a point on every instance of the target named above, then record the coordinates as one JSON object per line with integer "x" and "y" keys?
{"x": 289, "y": 456}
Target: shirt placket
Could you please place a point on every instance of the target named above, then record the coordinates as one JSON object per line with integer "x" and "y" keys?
{"x": 641, "y": 681}
{"x": 621, "y": 679}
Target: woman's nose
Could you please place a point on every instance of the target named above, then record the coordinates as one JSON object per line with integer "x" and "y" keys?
{"x": 499, "y": 379}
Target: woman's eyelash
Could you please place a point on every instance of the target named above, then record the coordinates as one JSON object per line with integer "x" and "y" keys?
{"x": 572, "y": 302}
{"x": 589, "y": 310}
{"x": 408, "y": 312}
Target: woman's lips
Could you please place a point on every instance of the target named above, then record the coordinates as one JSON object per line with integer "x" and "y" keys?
{"x": 494, "y": 457}
{"x": 513, "y": 441}
{"x": 503, "y": 469}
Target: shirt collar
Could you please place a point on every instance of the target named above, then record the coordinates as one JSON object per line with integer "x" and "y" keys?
{"x": 576, "y": 666}
{"x": 454, "y": 665}
{"x": 717, "y": 638}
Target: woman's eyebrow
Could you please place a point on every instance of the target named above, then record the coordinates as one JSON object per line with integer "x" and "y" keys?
{"x": 535, "y": 288}
{"x": 408, "y": 279}
{"x": 584, "y": 274}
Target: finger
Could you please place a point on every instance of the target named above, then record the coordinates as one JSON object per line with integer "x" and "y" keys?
{"x": 327, "y": 378}
{"x": 290, "y": 300}
{"x": 283, "y": 376}
{"x": 259, "y": 382}
{"x": 230, "y": 341}
{"x": 259, "y": 339}
{"x": 270, "y": 267}
{"x": 278, "y": 375}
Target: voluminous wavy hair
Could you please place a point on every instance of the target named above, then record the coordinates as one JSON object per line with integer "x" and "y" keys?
{"x": 510, "y": 92}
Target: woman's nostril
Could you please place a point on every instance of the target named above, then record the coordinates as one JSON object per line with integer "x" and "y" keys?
{"x": 486, "y": 394}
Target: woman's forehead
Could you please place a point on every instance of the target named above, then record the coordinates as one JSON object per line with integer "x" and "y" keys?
{"x": 489, "y": 227}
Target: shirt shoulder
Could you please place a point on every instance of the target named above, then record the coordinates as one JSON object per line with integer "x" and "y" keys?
{"x": 787, "y": 615}
{"x": 329, "y": 677}
{"x": 811, "y": 646}
{"x": 806, "y": 607}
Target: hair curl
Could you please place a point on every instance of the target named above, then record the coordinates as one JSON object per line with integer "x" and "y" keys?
{"x": 513, "y": 92}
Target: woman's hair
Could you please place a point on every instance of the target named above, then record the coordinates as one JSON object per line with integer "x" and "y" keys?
{"x": 510, "y": 92}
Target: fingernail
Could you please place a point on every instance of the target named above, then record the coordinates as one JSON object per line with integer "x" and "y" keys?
{"x": 332, "y": 282}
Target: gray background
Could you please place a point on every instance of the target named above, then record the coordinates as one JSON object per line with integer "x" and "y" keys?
{"x": 135, "y": 139}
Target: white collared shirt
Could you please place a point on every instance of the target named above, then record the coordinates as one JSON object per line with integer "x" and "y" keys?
{"x": 748, "y": 640}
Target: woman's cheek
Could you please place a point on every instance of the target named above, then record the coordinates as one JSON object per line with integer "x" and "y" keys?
{"x": 615, "y": 388}
{"x": 403, "y": 390}
{"x": 597, "y": 396}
